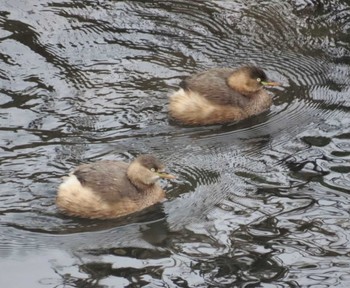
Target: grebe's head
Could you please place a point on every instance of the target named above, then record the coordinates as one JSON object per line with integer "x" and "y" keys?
{"x": 147, "y": 169}
{"x": 250, "y": 79}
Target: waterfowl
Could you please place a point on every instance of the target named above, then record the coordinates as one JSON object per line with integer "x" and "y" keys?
{"x": 111, "y": 189}
{"x": 221, "y": 95}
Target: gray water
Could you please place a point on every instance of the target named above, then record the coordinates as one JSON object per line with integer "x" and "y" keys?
{"x": 260, "y": 203}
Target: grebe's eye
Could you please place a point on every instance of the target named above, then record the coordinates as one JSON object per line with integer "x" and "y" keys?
{"x": 258, "y": 79}
{"x": 153, "y": 170}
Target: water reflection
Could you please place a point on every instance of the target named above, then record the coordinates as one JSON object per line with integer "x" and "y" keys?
{"x": 263, "y": 202}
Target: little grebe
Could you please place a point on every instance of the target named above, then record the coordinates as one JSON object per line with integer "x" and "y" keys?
{"x": 221, "y": 95}
{"x": 110, "y": 189}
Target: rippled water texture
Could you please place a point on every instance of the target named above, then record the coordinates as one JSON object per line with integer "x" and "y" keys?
{"x": 260, "y": 203}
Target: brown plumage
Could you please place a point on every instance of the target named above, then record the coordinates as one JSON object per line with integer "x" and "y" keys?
{"x": 221, "y": 95}
{"x": 111, "y": 189}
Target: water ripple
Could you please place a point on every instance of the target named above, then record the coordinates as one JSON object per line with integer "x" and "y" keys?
{"x": 260, "y": 202}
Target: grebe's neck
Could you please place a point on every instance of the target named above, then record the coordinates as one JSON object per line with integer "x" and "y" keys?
{"x": 140, "y": 176}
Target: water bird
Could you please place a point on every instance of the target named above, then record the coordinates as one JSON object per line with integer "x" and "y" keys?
{"x": 221, "y": 95}
{"x": 111, "y": 189}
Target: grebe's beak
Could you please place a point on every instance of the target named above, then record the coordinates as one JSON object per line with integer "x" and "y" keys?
{"x": 165, "y": 175}
{"x": 270, "y": 83}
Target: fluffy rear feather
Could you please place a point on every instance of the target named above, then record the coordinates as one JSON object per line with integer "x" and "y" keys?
{"x": 191, "y": 108}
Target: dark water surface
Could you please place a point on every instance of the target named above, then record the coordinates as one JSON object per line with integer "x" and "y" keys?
{"x": 260, "y": 203}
